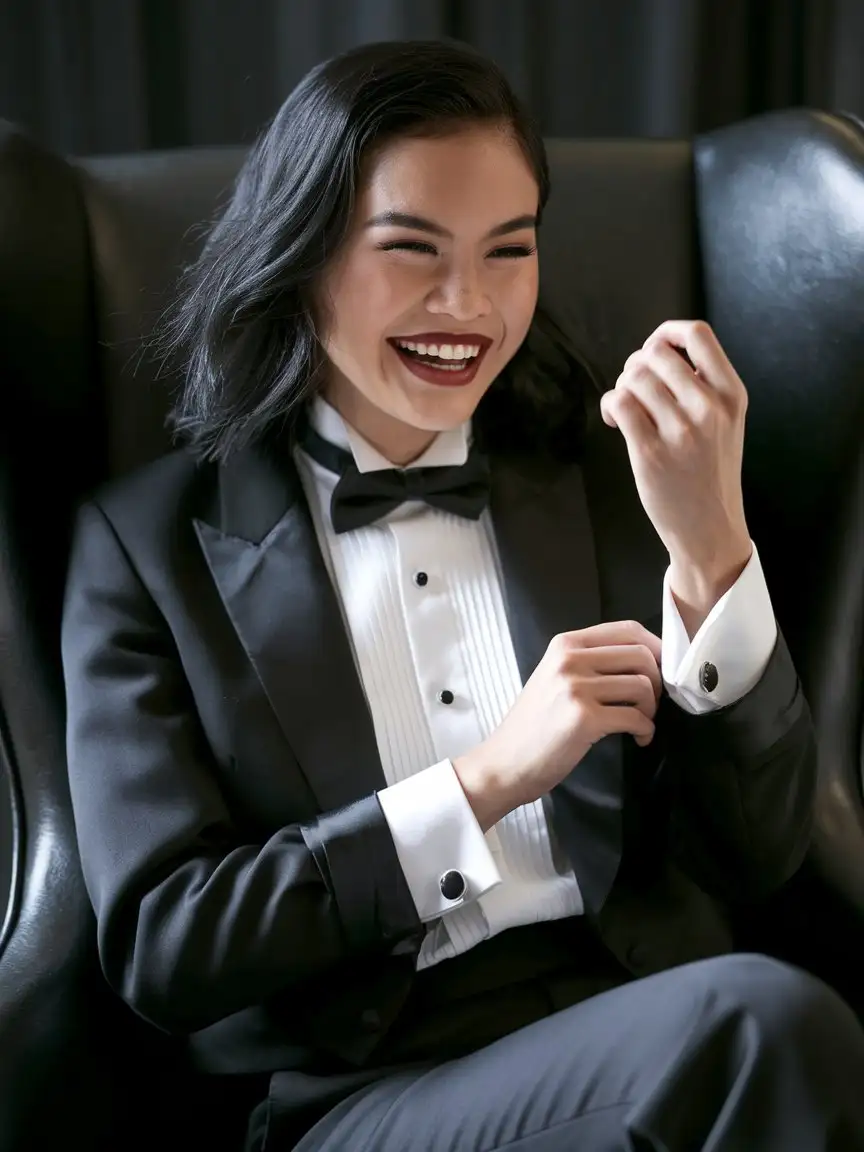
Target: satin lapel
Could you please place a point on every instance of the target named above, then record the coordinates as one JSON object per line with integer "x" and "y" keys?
{"x": 631, "y": 559}
{"x": 265, "y": 560}
{"x": 544, "y": 536}
{"x": 574, "y": 552}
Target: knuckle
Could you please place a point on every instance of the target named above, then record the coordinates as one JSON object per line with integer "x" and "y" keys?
{"x": 647, "y": 686}
{"x": 577, "y": 702}
{"x": 682, "y": 437}
{"x": 641, "y": 373}
{"x": 559, "y": 646}
{"x": 647, "y": 657}
{"x": 702, "y": 411}
{"x": 701, "y": 329}
{"x": 632, "y": 360}
{"x": 654, "y": 452}
{"x": 573, "y": 688}
{"x": 626, "y": 399}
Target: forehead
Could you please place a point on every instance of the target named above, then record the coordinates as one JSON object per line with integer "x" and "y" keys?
{"x": 478, "y": 177}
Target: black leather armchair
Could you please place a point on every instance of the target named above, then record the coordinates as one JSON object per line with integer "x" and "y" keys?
{"x": 759, "y": 227}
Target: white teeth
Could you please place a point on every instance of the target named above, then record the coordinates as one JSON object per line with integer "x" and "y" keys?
{"x": 442, "y": 351}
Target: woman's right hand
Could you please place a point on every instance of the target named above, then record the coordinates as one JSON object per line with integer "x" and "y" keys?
{"x": 588, "y": 685}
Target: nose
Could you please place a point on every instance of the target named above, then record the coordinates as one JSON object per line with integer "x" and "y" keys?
{"x": 461, "y": 294}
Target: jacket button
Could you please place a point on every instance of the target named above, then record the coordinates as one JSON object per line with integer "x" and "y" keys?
{"x": 371, "y": 1020}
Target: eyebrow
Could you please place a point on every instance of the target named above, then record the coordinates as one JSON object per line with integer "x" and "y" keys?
{"x": 421, "y": 224}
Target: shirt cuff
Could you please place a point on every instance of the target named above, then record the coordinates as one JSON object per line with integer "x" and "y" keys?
{"x": 435, "y": 831}
{"x": 736, "y": 638}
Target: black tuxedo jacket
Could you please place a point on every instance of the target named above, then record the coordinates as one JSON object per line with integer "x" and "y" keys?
{"x": 224, "y": 769}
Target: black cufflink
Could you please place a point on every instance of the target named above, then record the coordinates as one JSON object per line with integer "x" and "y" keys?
{"x": 708, "y": 677}
{"x": 452, "y": 885}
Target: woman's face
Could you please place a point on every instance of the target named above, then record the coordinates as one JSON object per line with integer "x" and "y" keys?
{"x": 434, "y": 289}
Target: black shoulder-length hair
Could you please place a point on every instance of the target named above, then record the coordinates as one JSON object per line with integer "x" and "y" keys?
{"x": 243, "y": 324}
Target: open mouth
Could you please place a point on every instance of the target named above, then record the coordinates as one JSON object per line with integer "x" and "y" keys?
{"x": 434, "y": 360}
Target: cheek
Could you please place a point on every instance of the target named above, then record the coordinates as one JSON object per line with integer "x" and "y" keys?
{"x": 520, "y": 302}
{"x": 366, "y": 301}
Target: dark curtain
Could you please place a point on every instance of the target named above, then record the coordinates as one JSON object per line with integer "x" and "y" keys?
{"x": 91, "y": 76}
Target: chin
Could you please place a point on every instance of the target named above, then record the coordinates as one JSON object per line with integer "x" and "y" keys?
{"x": 441, "y": 413}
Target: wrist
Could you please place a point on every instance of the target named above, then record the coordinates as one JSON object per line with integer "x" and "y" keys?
{"x": 481, "y": 781}
{"x": 698, "y": 584}
{"x": 714, "y": 570}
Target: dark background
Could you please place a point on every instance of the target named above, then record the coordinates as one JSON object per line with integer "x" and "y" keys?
{"x": 96, "y": 76}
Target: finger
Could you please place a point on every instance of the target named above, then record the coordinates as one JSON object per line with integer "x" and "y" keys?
{"x": 632, "y": 659}
{"x": 706, "y": 354}
{"x": 614, "y": 632}
{"x": 694, "y": 397}
{"x": 625, "y": 412}
{"x": 654, "y": 397}
{"x": 628, "y": 720}
{"x": 626, "y": 691}
{"x": 605, "y": 410}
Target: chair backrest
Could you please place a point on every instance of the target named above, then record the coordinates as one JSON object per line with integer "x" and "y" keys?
{"x": 759, "y": 227}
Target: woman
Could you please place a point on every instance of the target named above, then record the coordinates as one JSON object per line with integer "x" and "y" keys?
{"x": 384, "y": 787}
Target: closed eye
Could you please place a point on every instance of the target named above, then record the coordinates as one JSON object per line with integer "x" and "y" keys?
{"x": 505, "y": 252}
{"x": 513, "y": 252}
{"x": 408, "y": 246}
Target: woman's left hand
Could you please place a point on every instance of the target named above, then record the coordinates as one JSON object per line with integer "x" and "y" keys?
{"x": 682, "y": 417}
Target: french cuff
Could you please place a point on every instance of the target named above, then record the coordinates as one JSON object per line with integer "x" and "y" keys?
{"x": 731, "y": 650}
{"x": 440, "y": 845}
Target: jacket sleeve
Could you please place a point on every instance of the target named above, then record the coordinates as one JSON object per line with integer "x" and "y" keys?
{"x": 194, "y": 921}
{"x": 743, "y": 781}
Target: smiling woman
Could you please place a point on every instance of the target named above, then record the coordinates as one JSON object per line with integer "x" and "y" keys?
{"x": 354, "y": 239}
{"x": 444, "y": 235}
{"x": 384, "y": 784}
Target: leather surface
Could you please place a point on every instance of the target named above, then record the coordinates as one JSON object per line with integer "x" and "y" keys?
{"x": 837, "y": 702}
{"x": 147, "y": 215}
{"x": 46, "y": 346}
{"x": 781, "y": 222}
{"x": 764, "y": 235}
{"x": 60, "y": 1031}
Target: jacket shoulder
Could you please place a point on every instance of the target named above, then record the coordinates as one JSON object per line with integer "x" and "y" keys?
{"x": 153, "y": 509}
{"x": 174, "y": 486}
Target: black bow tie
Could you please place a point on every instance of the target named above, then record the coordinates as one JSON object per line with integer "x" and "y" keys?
{"x": 361, "y": 498}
